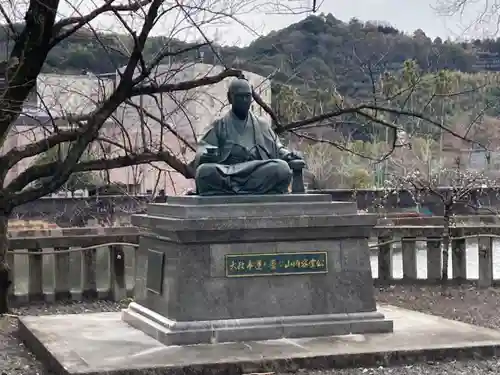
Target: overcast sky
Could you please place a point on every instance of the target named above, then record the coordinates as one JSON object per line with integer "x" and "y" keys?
{"x": 406, "y": 15}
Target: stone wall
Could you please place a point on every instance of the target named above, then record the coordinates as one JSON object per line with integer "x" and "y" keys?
{"x": 81, "y": 211}
{"x": 368, "y": 199}
{"x": 84, "y": 211}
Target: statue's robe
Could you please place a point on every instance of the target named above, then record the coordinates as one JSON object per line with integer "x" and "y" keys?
{"x": 249, "y": 158}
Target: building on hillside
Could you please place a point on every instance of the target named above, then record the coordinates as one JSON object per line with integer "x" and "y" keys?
{"x": 487, "y": 61}
{"x": 54, "y": 95}
{"x": 186, "y": 113}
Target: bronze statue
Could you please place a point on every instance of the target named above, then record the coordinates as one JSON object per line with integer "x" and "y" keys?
{"x": 240, "y": 153}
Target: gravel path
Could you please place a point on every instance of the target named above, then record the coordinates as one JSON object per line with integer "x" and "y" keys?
{"x": 467, "y": 304}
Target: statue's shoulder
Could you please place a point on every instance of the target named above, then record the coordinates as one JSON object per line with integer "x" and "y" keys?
{"x": 215, "y": 124}
{"x": 261, "y": 121}
{"x": 212, "y": 129}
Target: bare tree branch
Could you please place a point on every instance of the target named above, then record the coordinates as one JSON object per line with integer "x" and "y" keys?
{"x": 40, "y": 171}
{"x": 60, "y": 31}
{"x": 9, "y": 22}
{"x": 153, "y": 88}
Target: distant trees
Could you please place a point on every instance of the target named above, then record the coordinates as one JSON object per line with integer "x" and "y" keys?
{"x": 341, "y": 46}
{"x": 319, "y": 46}
{"x": 456, "y": 110}
{"x": 452, "y": 112}
{"x": 333, "y": 168}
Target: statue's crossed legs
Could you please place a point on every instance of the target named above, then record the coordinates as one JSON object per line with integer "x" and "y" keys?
{"x": 252, "y": 177}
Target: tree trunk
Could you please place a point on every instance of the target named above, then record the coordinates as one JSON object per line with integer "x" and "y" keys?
{"x": 5, "y": 280}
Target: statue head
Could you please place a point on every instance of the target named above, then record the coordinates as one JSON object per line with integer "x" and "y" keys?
{"x": 240, "y": 97}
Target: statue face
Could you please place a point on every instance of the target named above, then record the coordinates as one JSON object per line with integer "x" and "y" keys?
{"x": 240, "y": 97}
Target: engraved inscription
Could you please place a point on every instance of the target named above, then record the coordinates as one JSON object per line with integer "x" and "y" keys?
{"x": 154, "y": 278}
{"x": 241, "y": 265}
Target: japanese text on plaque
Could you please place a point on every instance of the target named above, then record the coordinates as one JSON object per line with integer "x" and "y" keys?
{"x": 239, "y": 265}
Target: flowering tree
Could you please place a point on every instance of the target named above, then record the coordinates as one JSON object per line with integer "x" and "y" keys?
{"x": 452, "y": 186}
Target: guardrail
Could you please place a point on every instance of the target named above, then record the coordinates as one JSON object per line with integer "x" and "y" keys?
{"x": 408, "y": 236}
{"x": 81, "y": 263}
{"x": 72, "y": 264}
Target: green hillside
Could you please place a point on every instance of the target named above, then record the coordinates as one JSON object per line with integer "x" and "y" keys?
{"x": 323, "y": 57}
{"x": 319, "y": 51}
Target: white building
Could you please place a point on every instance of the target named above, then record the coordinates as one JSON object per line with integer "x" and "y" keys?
{"x": 186, "y": 113}
{"x": 55, "y": 95}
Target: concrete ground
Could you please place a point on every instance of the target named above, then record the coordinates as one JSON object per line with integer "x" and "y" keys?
{"x": 101, "y": 343}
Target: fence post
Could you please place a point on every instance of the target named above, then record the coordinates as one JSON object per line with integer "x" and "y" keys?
{"x": 485, "y": 270}
{"x": 117, "y": 272}
{"x": 140, "y": 266}
{"x": 458, "y": 260}
{"x": 434, "y": 259}
{"x": 384, "y": 260}
{"x": 409, "y": 250}
{"x": 35, "y": 276}
{"x": 89, "y": 288}
{"x": 62, "y": 272}
{"x": 11, "y": 263}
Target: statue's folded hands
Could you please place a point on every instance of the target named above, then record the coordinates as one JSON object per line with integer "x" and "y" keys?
{"x": 209, "y": 155}
{"x": 293, "y": 155}
{"x": 240, "y": 153}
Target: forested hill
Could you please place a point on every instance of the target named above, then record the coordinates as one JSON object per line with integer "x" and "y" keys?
{"x": 320, "y": 51}
{"x": 324, "y": 50}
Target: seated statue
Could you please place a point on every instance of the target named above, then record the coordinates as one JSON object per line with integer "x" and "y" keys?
{"x": 240, "y": 153}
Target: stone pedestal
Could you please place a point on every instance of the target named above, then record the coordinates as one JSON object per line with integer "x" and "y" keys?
{"x": 243, "y": 268}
